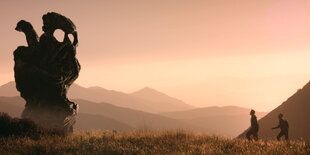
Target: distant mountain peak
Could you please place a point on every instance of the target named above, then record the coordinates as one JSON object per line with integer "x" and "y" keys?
{"x": 161, "y": 99}
{"x": 146, "y": 99}
{"x": 148, "y": 90}
{"x": 150, "y": 93}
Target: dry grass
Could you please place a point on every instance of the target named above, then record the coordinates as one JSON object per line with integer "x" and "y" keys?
{"x": 146, "y": 142}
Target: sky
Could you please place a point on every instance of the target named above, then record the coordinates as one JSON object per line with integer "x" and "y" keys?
{"x": 252, "y": 54}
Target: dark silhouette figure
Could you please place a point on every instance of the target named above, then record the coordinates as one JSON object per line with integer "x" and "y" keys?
{"x": 44, "y": 71}
{"x": 283, "y": 125}
{"x": 254, "y": 127}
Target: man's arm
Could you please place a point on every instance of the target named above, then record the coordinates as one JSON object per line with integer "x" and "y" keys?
{"x": 276, "y": 126}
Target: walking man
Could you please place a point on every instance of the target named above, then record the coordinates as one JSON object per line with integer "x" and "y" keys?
{"x": 283, "y": 125}
{"x": 254, "y": 127}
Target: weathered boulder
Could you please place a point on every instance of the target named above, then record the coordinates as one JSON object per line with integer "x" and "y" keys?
{"x": 45, "y": 70}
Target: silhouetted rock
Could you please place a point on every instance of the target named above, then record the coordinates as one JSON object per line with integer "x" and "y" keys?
{"x": 45, "y": 70}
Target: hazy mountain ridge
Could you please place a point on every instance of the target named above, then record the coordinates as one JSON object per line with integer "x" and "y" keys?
{"x": 210, "y": 112}
{"x": 135, "y": 100}
{"x": 104, "y": 116}
{"x": 296, "y": 112}
{"x": 227, "y": 120}
{"x": 14, "y": 106}
{"x": 162, "y": 103}
{"x": 98, "y": 94}
{"x": 134, "y": 118}
{"x": 163, "y": 100}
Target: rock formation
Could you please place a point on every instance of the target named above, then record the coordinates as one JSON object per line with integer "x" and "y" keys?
{"x": 45, "y": 70}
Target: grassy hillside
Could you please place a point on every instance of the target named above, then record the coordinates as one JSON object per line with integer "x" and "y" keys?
{"x": 145, "y": 142}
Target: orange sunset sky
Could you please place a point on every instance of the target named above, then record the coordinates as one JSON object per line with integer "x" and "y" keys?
{"x": 247, "y": 53}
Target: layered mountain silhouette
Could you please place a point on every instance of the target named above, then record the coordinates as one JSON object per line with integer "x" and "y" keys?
{"x": 296, "y": 111}
{"x": 135, "y": 111}
{"x": 140, "y": 100}
{"x": 227, "y": 120}
{"x": 134, "y": 118}
{"x": 104, "y": 116}
{"x": 161, "y": 99}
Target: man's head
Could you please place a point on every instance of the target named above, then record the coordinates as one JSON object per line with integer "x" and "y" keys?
{"x": 280, "y": 116}
{"x": 252, "y": 112}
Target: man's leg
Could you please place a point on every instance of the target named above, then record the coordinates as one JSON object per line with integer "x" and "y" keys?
{"x": 280, "y": 135}
{"x": 255, "y": 135}
{"x": 286, "y": 135}
{"x": 248, "y": 134}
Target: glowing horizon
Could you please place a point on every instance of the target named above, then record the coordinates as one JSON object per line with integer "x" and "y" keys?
{"x": 206, "y": 53}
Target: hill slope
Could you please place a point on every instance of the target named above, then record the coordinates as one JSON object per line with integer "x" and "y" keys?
{"x": 296, "y": 112}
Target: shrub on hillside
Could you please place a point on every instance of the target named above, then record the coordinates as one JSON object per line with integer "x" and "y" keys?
{"x": 15, "y": 127}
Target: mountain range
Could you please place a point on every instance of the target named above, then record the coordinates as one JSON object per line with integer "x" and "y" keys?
{"x": 140, "y": 100}
{"x": 101, "y": 115}
{"x": 141, "y": 113}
